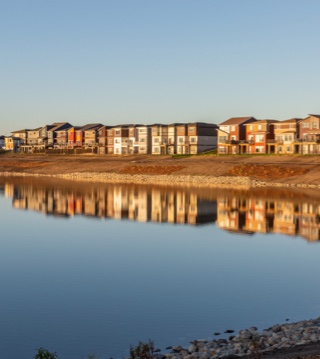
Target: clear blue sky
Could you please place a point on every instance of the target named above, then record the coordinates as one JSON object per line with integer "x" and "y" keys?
{"x": 146, "y": 61}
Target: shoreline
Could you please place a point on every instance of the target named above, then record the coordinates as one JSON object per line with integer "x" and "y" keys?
{"x": 290, "y": 340}
{"x": 197, "y": 181}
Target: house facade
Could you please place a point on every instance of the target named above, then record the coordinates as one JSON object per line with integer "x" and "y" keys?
{"x": 286, "y": 135}
{"x": 309, "y": 135}
{"x": 159, "y": 139}
{"x": 201, "y": 137}
{"x": 121, "y": 140}
{"x": 62, "y": 128}
{"x": 232, "y": 135}
{"x": 260, "y": 137}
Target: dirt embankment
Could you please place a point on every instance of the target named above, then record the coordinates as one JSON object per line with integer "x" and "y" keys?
{"x": 273, "y": 167}
{"x": 283, "y": 170}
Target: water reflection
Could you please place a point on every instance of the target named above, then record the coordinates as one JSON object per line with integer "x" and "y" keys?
{"x": 244, "y": 212}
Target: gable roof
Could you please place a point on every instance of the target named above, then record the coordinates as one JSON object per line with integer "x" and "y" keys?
{"x": 237, "y": 120}
{"x": 59, "y": 125}
{"x": 295, "y": 120}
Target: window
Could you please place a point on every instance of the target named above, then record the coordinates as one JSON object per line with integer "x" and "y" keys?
{"x": 191, "y": 129}
{"x": 117, "y": 132}
{"x": 192, "y": 139}
{"x": 233, "y": 128}
{"x": 180, "y": 140}
{"x": 314, "y": 125}
{"x": 156, "y": 140}
{"x": 259, "y": 127}
{"x": 306, "y": 125}
{"x": 142, "y": 140}
{"x": 157, "y": 149}
{"x": 251, "y": 127}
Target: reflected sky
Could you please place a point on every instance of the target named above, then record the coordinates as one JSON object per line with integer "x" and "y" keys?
{"x": 77, "y": 285}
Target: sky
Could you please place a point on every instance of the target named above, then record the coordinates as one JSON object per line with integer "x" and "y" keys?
{"x": 157, "y": 61}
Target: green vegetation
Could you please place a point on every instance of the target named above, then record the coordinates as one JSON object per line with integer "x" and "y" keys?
{"x": 142, "y": 350}
{"x": 45, "y": 354}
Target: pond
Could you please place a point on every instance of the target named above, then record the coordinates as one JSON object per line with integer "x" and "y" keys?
{"x": 94, "y": 268}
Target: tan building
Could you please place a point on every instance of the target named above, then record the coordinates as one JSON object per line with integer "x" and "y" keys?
{"x": 286, "y": 135}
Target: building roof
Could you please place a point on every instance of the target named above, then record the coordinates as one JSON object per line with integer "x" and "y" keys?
{"x": 24, "y": 130}
{"x": 89, "y": 126}
{"x": 314, "y": 115}
{"x": 262, "y": 121}
{"x": 237, "y": 120}
{"x": 295, "y": 120}
{"x": 58, "y": 125}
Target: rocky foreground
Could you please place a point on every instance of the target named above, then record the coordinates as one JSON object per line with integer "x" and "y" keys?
{"x": 250, "y": 343}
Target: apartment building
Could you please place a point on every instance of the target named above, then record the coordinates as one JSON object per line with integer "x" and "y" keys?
{"x": 232, "y": 135}
{"x": 202, "y": 137}
{"x": 58, "y": 134}
{"x": 121, "y": 139}
{"x": 309, "y": 135}
{"x": 259, "y": 137}
{"x": 286, "y": 135}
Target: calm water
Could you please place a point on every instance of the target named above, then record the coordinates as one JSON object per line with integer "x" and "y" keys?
{"x": 90, "y": 268}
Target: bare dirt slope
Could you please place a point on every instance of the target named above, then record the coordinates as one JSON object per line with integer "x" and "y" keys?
{"x": 282, "y": 169}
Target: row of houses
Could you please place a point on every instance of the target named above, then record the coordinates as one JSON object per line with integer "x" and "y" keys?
{"x": 177, "y": 138}
{"x": 240, "y": 213}
{"x": 237, "y": 135}
{"x": 248, "y": 135}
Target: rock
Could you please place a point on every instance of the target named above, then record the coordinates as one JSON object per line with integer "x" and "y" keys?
{"x": 217, "y": 333}
{"x": 228, "y": 331}
{"x": 192, "y": 348}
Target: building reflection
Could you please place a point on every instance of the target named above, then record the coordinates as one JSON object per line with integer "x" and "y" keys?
{"x": 242, "y": 212}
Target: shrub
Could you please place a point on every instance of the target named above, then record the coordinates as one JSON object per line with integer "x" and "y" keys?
{"x": 45, "y": 354}
{"x": 142, "y": 350}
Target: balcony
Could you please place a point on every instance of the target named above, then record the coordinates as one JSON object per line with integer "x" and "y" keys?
{"x": 276, "y": 142}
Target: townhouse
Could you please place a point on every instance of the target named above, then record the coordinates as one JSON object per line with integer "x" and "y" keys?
{"x": 13, "y": 143}
{"x": 121, "y": 139}
{"x": 202, "y": 137}
{"x": 232, "y": 135}
{"x": 22, "y": 134}
{"x": 103, "y": 139}
{"x": 58, "y": 134}
{"x": 309, "y": 135}
{"x": 159, "y": 139}
{"x": 286, "y": 135}
{"x": 259, "y": 137}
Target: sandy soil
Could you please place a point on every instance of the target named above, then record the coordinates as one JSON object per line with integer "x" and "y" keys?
{"x": 281, "y": 169}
